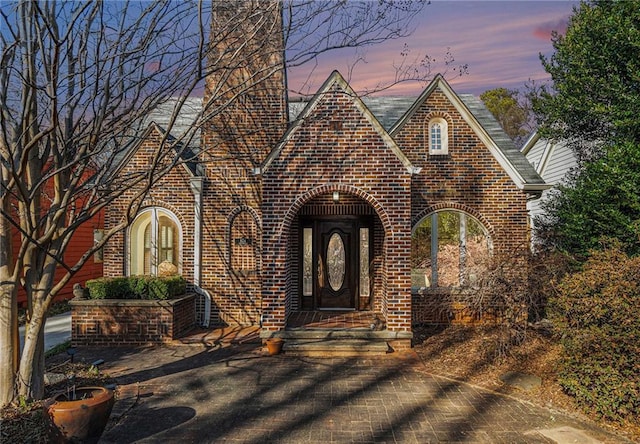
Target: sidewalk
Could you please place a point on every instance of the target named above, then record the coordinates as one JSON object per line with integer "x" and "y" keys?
{"x": 57, "y": 330}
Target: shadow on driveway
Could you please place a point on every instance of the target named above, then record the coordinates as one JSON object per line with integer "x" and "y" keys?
{"x": 238, "y": 394}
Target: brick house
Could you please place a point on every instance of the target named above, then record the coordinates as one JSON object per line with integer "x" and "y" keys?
{"x": 373, "y": 206}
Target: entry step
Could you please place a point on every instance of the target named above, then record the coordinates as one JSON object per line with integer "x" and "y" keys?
{"x": 334, "y": 347}
{"x": 328, "y": 334}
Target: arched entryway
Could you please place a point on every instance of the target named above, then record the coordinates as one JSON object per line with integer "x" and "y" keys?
{"x": 337, "y": 218}
{"x": 336, "y": 254}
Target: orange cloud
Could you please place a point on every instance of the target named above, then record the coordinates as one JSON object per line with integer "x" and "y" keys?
{"x": 543, "y": 31}
{"x": 152, "y": 67}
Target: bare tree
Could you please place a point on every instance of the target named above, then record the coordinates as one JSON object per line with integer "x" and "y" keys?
{"x": 78, "y": 83}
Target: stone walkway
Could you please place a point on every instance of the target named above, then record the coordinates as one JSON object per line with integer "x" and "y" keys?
{"x": 198, "y": 394}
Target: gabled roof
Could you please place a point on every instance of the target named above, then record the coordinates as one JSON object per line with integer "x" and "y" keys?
{"x": 387, "y": 109}
{"x": 190, "y": 165}
{"x": 336, "y": 79}
{"x": 189, "y": 113}
{"x": 552, "y": 159}
{"x": 487, "y": 129}
{"x": 158, "y": 120}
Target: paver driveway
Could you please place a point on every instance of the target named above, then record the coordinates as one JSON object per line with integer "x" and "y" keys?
{"x": 237, "y": 394}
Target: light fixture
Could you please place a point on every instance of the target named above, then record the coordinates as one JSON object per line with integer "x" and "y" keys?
{"x": 336, "y": 196}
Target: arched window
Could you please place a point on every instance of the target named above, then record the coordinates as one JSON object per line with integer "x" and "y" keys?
{"x": 438, "y": 136}
{"x": 448, "y": 249}
{"x": 154, "y": 237}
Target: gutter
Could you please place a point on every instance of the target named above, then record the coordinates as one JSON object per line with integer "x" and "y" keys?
{"x": 197, "y": 186}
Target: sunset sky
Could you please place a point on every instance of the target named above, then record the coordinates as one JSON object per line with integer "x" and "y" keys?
{"x": 499, "y": 40}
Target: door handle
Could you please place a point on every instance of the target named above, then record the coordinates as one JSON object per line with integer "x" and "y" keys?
{"x": 320, "y": 272}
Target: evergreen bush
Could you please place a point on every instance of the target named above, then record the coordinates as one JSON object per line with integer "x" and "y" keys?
{"x": 136, "y": 287}
{"x": 598, "y": 312}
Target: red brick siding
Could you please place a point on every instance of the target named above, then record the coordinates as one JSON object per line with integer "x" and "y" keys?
{"x": 124, "y": 323}
{"x": 468, "y": 179}
{"x": 250, "y": 119}
{"x": 336, "y": 150}
{"x": 172, "y": 193}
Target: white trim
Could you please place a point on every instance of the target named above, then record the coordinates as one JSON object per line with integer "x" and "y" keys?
{"x": 549, "y": 148}
{"x": 155, "y": 213}
{"x": 197, "y": 187}
{"x": 482, "y": 134}
{"x": 530, "y": 143}
{"x": 444, "y": 136}
{"x": 441, "y": 84}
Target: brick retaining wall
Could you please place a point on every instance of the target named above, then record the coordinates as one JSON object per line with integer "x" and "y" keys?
{"x": 118, "y": 322}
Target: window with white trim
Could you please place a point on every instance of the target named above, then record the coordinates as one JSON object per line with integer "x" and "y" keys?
{"x": 438, "y": 136}
{"x": 154, "y": 237}
{"x": 449, "y": 248}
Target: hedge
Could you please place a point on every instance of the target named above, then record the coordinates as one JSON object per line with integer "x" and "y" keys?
{"x": 136, "y": 287}
{"x": 598, "y": 312}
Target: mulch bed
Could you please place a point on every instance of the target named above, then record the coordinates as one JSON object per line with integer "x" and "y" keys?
{"x": 481, "y": 355}
{"x": 26, "y": 422}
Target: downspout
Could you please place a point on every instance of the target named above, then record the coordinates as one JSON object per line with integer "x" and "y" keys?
{"x": 197, "y": 183}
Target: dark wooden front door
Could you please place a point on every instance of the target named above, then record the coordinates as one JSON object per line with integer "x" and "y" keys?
{"x": 336, "y": 265}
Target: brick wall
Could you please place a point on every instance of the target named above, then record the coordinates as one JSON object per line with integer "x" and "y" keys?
{"x": 247, "y": 96}
{"x": 111, "y": 322}
{"x": 467, "y": 179}
{"x": 337, "y": 149}
{"x": 250, "y": 233}
{"x": 172, "y": 193}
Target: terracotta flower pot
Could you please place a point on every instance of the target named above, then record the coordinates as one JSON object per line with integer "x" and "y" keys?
{"x": 274, "y": 346}
{"x": 80, "y": 415}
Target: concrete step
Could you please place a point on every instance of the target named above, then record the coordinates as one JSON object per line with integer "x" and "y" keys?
{"x": 350, "y": 333}
{"x": 334, "y": 347}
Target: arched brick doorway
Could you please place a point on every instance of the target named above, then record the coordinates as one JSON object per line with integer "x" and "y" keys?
{"x": 336, "y": 252}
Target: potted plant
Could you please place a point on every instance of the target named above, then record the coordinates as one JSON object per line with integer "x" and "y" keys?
{"x": 274, "y": 345}
{"x": 79, "y": 413}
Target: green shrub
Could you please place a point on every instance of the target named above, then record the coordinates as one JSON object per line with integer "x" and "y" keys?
{"x": 598, "y": 310}
{"x": 106, "y": 288}
{"x": 140, "y": 285}
{"x": 136, "y": 287}
{"x": 166, "y": 287}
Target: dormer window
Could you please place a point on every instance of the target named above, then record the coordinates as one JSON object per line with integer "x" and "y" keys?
{"x": 438, "y": 136}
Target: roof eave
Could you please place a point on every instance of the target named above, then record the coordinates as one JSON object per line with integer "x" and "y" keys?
{"x": 530, "y": 143}
{"x": 535, "y": 187}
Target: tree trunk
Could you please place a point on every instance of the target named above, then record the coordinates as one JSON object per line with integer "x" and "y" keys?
{"x": 9, "y": 339}
{"x": 31, "y": 372}
{"x": 30, "y": 378}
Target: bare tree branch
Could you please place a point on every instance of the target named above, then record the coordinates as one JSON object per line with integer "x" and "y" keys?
{"x": 79, "y": 85}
